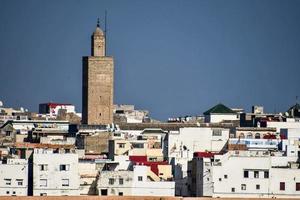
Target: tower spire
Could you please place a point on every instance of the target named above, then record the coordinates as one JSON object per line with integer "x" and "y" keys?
{"x": 98, "y": 22}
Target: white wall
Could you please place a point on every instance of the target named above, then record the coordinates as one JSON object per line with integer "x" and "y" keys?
{"x": 194, "y": 139}
{"x": 233, "y": 165}
{"x": 284, "y": 125}
{"x": 68, "y": 108}
{"x": 116, "y": 188}
{"x": 294, "y": 133}
{"x": 216, "y": 118}
{"x": 53, "y": 174}
{"x": 17, "y": 171}
{"x": 150, "y": 188}
{"x": 88, "y": 174}
{"x": 290, "y": 177}
{"x": 132, "y": 186}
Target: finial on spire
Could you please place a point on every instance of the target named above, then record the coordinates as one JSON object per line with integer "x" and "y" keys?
{"x": 98, "y": 23}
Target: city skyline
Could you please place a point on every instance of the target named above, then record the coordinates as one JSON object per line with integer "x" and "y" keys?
{"x": 172, "y": 58}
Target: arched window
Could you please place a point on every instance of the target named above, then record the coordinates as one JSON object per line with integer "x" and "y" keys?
{"x": 242, "y": 135}
{"x": 257, "y": 135}
{"x": 249, "y": 135}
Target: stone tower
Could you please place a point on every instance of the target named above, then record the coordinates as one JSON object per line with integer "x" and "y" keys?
{"x": 97, "y": 83}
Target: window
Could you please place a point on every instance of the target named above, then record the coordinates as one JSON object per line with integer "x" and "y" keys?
{"x": 14, "y": 192}
{"x": 282, "y": 186}
{"x": 7, "y": 192}
{"x": 297, "y": 186}
{"x": 43, "y": 182}
{"x": 140, "y": 178}
{"x": 258, "y": 187}
{"x": 232, "y": 189}
{"x": 20, "y": 181}
{"x": 121, "y": 145}
{"x": 121, "y": 181}
{"x": 43, "y": 167}
{"x": 153, "y": 159}
{"x": 104, "y": 192}
{"x": 249, "y": 135}
{"x": 8, "y": 133}
{"x": 111, "y": 181}
{"x": 7, "y": 181}
{"x": 43, "y": 194}
{"x": 243, "y": 187}
{"x": 242, "y": 135}
{"x": 138, "y": 145}
{"x": 65, "y": 182}
{"x": 266, "y": 174}
{"x": 64, "y": 167}
{"x": 257, "y": 136}
{"x": 225, "y": 176}
{"x": 120, "y": 193}
{"x": 217, "y": 132}
{"x": 256, "y": 174}
{"x": 220, "y": 179}
{"x": 246, "y": 174}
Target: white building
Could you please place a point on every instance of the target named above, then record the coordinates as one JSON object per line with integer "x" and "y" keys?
{"x": 133, "y": 183}
{"x": 220, "y": 113}
{"x": 255, "y": 174}
{"x": 55, "y": 173}
{"x": 128, "y": 114}
{"x": 14, "y": 178}
{"x": 112, "y": 183}
{"x": 200, "y": 175}
{"x": 89, "y": 174}
{"x": 53, "y": 108}
{"x": 291, "y": 123}
{"x": 182, "y": 145}
{"x": 193, "y": 139}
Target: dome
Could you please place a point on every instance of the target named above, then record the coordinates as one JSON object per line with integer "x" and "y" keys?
{"x": 98, "y": 31}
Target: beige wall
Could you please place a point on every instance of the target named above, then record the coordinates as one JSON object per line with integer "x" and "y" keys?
{"x": 121, "y": 147}
{"x": 165, "y": 171}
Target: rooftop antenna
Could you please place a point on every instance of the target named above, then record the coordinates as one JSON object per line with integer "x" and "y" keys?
{"x": 105, "y": 31}
{"x": 297, "y": 99}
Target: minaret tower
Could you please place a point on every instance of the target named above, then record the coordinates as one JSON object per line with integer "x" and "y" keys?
{"x": 98, "y": 42}
{"x": 97, "y": 82}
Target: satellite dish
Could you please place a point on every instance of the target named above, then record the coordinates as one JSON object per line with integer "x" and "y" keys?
{"x": 22, "y": 109}
{"x": 1, "y": 103}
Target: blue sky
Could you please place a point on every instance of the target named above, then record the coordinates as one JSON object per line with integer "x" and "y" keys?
{"x": 173, "y": 58}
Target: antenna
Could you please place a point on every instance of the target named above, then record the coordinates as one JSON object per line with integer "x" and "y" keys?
{"x": 105, "y": 31}
{"x": 297, "y": 99}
